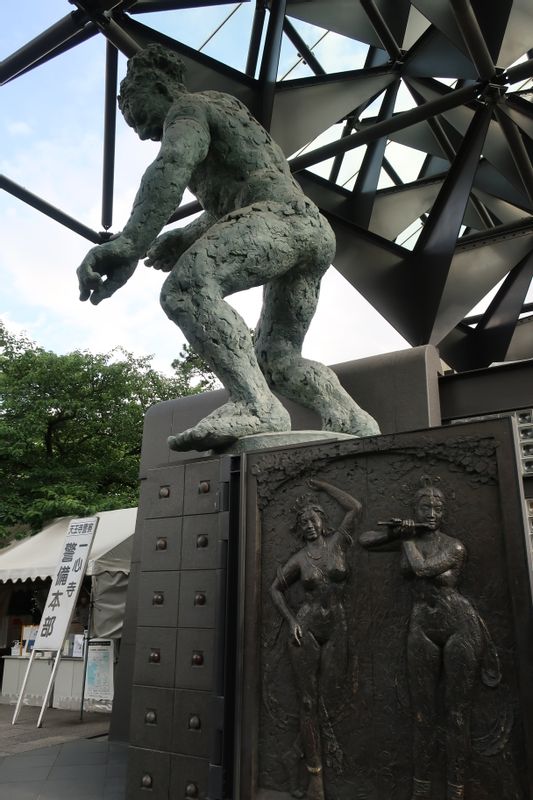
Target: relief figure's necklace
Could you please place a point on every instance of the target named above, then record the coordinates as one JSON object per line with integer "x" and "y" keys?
{"x": 320, "y": 553}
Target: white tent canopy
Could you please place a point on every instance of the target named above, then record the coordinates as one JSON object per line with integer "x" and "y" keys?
{"x": 37, "y": 556}
{"x": 109, "y": 565}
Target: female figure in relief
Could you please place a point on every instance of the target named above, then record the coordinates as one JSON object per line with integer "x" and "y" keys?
{"x": 448, "y": 644}
{"x": 317, "y": 640}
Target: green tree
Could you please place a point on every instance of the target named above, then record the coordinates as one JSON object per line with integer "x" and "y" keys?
{"x": 192, "y": 372}
{"x": 71, "y": 428}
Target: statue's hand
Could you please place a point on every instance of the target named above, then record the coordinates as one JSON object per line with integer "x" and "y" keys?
{"x": 405, "y": 528}
{"x": 105, "y": 269}
{"x": 165, "y": 250}
{"x": 296, "y": 634}
{"x": 317, "y": 485}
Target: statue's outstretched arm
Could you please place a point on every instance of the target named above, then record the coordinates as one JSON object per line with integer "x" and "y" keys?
{"x": 167, "y": 248}
{"x": 184, "y": 145}
{"x": 352, "y": 506}
{"x": 391, "y": 533}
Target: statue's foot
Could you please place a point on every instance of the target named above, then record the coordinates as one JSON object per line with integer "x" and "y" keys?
{"x": 315, "y": 787}
{"x": 350, "y": 419}
{"x": 230, "y": 422}
{"x": 455, "y": 791}
{"x": 421, "y": 790}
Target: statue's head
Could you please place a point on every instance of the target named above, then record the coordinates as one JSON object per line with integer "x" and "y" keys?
{"x": 154, "y": 78}
{"x": 429, "y": 504}
{"x": 310, "y": 520}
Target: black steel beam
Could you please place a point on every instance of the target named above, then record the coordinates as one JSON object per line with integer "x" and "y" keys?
{"x": 432, "y": 54}
{"x": 255, "y": 38}
{"x": 521, "y": 111}
{"x": 184, "y": 211}
{"x": 377, "y": 269}
{"x": 270, "y": 60}
{"x": 337, "y": 161}
{"x": 302, "y": 48}
{"x": 488, "y": 391}
{"x": 391, "y": 172}
{"x": 518, "y": 150}
{"x": 110, "y": 120}
{"x": 453, "y": 99}
{"x": 374, "y": 58}
{"x": 491, "y": 181}
{"x": 496, "y": 148}
{"x": 82, "y": 36}
{"x": 458, "y": 348}
{"x": 520, "y": 72}
{"x": 366, "y": 184}
{"x": 426, "y": 167}
{"x": 54, "y": 36}
{"x": 495, "y": 330}
{"x": 527, "y": 308}
{"x": 115, "y": 34}
{"x": 382, "y": 29}
{"x": 51, "y": 211}
{"x": 144, "y": 35}
{"x": 450, "y": 152}
{"x": 433, "y": 252}
{"x": 473, "y": 38}
{"x": 147, "y": 6}
{"x": 500, "y": 233}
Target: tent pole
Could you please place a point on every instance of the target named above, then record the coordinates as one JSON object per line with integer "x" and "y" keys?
{"x": 86, "y": 649}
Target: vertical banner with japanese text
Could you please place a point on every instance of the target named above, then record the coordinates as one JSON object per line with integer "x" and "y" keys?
{"x": 66, "y": 584}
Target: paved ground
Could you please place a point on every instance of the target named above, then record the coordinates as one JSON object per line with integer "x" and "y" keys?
{"x": 63, "y": 759}
{"x": 86, "y": 769}
{"x": 58, "y": 726}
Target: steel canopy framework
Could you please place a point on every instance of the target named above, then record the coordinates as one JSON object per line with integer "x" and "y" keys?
{"x": 466, "y": 67}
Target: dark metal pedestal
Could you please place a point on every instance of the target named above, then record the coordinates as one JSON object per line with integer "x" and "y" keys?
{"x": 414, "y": 677}
{"x": 218, "y": 696}
{"x": 181, "y": 718}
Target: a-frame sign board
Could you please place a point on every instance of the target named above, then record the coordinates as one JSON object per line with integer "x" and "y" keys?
{"x": 61, "y": 602}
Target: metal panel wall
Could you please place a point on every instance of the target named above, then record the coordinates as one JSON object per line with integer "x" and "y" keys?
{"x": 176, "y": 728}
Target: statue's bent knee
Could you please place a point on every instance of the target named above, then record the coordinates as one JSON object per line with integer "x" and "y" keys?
{"x": 166, "y": 298}
{"x": 175, "y": 298}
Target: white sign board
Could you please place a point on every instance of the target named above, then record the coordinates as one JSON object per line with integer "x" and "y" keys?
{"x": 99, "y": 680}
{"x": 61, "y": 601}
{"x": 66, "y": 584}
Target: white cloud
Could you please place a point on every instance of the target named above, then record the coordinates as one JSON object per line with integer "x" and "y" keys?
{"x": 19, "y": 128}
{"x": 338, "y": 53}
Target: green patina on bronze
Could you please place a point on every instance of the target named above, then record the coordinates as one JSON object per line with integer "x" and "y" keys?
{"x": 258, "y": 228}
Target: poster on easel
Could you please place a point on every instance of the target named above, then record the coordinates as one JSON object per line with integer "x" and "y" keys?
{"x": 61, "y": 601}
{"x": 99, "y": 676}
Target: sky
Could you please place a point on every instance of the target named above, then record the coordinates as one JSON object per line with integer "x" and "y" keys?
{"x": 51, "y": 126}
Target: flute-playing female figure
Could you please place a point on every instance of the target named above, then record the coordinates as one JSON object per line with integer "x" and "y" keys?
{"x": 447, "y": 640}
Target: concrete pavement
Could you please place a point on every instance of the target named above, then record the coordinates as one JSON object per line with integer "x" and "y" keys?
{"x": 58, "y": 760}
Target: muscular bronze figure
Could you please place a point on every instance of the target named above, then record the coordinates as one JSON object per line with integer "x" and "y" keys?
{"x": 257, "y": 228}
